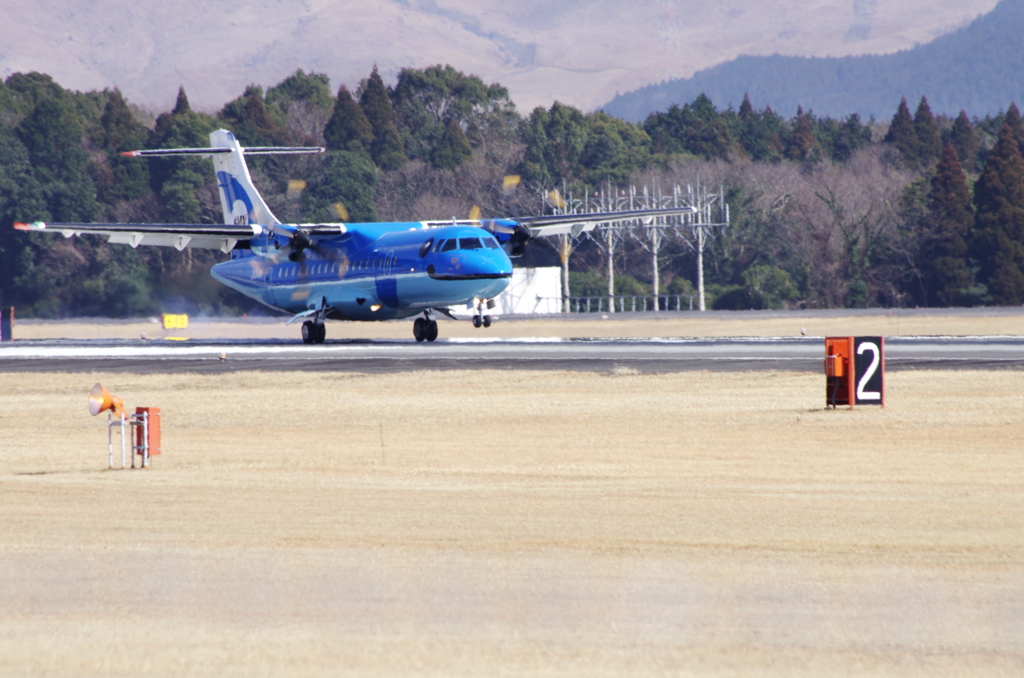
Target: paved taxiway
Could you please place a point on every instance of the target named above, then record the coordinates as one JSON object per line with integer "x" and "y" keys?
{"x": 643, "y": 355}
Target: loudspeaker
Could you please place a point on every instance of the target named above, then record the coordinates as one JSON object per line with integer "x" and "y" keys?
{"x": 101, "y": 400}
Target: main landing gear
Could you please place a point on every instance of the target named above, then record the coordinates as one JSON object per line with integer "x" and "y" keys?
{"x": 424, "y": 329}
{"x": 313, "y": 333}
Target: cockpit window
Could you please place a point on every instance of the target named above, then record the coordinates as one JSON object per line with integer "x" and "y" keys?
{"x": 470, "y": 244}
{"x": 449, "y": 245}
{"x": 437, "y": 246}
{"x": 490, "y": 243}
{"x": 425, "y": 247}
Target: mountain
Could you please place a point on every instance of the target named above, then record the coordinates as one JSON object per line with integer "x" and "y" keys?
{"x": 580, "y": 52}
{"x": 978, "y": 68}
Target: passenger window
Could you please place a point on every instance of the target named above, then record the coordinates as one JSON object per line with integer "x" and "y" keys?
{"x": 470, "y": 244}
{"x": 425, "y": 247}
{"x": 449, "y": 245}
{"x": 490, "y": 243}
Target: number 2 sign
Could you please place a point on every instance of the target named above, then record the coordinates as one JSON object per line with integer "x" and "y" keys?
{"x": 855, "y": 371}
{"x": 870, "y": 370}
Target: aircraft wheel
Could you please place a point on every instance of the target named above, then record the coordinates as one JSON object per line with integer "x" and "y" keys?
{"x": 308, "y": 332}
{"x": 431, "y": 333}
{"x": 487, "y": 321}
{"x": 321, "y": 334}
{"x": 477, "y": 321}
{"x": 419, "y": 328}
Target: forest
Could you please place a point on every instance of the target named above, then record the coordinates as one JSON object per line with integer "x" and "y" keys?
{"x": 919, "y": 210}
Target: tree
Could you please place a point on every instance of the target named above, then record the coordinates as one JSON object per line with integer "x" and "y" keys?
{"x": 999, "y": 237}
{"x": 300, "y": 87}
{"x": 695, "y": 128}
{"x": 120, "y": 131}
{"x": 1013, "y": 120}
{"x": 452, "y": 149}
{"x": 177, "y": 180}
{"x": 52, "y": 135}
{"x": 425, "y": 99}
{"x": 746, "y": 109}
{"x": 929, "y": 141}
{"x": 760, "y": 134}
{"x": 802, "y": 144}
{"x": 343, "y": 177}
{"x": 615, "y": 150}
{"x": 21, "y": 199}
{"x": 965, "y": 141}
{"x": 903, "y": 136}
{"x": 181, "y": 103}
{"x": 387, "y": 149}
{"x": 26, "y": 90}
{"x": 348, "y": 129}
{"x": 302, "y": 102}
{"x": 253, "y": 124}
{"x": 946, "y": 228}
{"x": 768, "y": 287}
{"x": 555, "y": 140}
{"x": 847, "y": 138}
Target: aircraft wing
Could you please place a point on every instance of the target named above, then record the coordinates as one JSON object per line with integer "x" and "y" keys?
{"x": 574, "y": 224}
{"x": 207, "y": 236}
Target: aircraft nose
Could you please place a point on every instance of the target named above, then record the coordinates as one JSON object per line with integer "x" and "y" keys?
{"x": 473, "y": 265}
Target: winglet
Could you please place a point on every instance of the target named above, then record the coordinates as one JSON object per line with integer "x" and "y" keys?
{"x": 131, "y": 154}
{"x": 35, "y": 226}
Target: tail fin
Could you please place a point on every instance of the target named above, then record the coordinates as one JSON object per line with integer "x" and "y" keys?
{"x": 239, "y": 199}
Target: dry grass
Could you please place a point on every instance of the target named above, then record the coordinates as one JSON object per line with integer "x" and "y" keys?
{"x": 695, "y": 325}
{"x": 514, "y": 523}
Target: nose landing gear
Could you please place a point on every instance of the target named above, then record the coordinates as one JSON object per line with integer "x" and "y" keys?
{"x": 480, "y": 319}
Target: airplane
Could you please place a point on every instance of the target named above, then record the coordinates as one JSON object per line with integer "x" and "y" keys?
{"x": 347, "y": 271}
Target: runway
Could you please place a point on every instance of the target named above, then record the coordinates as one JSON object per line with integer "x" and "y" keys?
{"x": 801, "y": 354}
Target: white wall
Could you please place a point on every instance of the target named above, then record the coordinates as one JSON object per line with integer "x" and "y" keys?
{"x": 527, "y": 285}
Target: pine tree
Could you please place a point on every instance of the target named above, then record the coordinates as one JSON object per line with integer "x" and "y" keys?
{"x": 947, "y": 225}
{"x": 745, "y": 108}
{"x": 802, "y": 143}
{"x": 387, "y": 149}
{"x": 453, "y": 149}
{"x": 181, "y": 104}
{"x": 929, "y": 141}
{"x": 965, "y": 141}
{"x": 1016, "y": 125}
{"x": 999, "y": 237}
{"x": 902, "y": 134}
{"x": 348, "y": 129}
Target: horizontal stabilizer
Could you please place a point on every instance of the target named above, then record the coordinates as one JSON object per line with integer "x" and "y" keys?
{"x": 254, "y": 150}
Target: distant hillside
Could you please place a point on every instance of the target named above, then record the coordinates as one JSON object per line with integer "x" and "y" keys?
{"x": 979, "y": 68}
{"x": 580, "y": 52}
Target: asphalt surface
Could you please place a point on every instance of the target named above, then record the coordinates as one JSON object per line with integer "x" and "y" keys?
{"x": 802, "y": 354}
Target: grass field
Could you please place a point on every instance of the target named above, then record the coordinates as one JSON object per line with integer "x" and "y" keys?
{"x": 511, "y": 523}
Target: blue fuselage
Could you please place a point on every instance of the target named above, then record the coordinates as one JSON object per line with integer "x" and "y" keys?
{"x": 372, "y": 271}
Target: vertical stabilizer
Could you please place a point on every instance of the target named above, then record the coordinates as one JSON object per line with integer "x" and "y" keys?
{"x": 239, "y": 199}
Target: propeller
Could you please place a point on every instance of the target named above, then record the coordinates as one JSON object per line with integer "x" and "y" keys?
{"x": 516, "y": 235}
{"x": 299, "y": 241}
